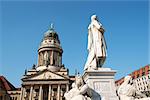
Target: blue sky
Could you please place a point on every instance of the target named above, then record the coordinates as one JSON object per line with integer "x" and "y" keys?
{"x": 22, "y": 26}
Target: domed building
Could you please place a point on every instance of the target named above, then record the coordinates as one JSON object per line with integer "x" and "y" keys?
{"x": 50, "y": 52}
{"x": 49, "y": 79}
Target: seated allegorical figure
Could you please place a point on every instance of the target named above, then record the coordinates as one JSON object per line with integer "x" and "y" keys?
{"x": 79, "y": 88}
{"x": 127, "y": 90}
{"x": 81, "y": 91}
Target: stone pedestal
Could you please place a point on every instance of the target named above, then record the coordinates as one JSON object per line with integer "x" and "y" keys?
{"x": 148, "y": 98}
{"x": 102, "y": 81}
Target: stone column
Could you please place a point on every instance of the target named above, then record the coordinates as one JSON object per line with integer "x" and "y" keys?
{"x": 52, "y": 57}
{"x": 38, "y": 58}
{"x": 67, "y": 87}
{"x": 40, "y": 93}
{"x": 42, "y": 59}
{"x": 21, "y": 93}
{"x": 49, "y": 92}
{"x": 58, "y": 92}
{"x": 60, "y": 60}
{"x": 31, "y": 90}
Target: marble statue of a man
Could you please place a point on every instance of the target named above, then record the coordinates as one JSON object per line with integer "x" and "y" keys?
{"x": 96, "y": 45}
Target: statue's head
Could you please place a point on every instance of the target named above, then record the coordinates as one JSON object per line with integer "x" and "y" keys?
{"x": 93, "y": 17}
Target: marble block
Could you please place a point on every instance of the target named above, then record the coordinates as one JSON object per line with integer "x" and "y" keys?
{"x": 102, "y": 81}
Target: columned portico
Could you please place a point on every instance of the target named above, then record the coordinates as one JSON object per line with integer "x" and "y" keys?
{"x": 44, "y": 91}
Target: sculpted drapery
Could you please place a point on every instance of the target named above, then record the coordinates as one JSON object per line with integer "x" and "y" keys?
{"x": 96, "y": 45}
{"x": 79, "y": 88}
{"x": 128, "y": 91}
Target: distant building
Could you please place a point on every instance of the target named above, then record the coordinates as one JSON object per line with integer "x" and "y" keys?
{"x": 141, "y": 79}
{"x": 7, "y": 90}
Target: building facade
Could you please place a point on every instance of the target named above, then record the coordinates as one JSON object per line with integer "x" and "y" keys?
{"x": 49, "y": 79}
{"x": 141, "y": 80}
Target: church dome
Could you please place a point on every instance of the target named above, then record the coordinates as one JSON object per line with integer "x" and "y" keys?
{"x": 51, "y": 33}
{"x": 50, "y": 51}
{"x": 50, "y": 39}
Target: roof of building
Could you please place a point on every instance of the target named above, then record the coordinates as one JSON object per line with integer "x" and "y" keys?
{"x": 5, "y": 84}
{"x": 51, "y": 34}
{"x": 136, "y": 73}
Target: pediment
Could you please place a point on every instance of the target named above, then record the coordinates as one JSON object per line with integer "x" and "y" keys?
{"x": 45, "y": 75}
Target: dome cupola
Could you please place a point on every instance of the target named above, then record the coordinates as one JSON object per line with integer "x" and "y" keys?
{"x": 51, "y": 33}
{"x": 50, "y": 51}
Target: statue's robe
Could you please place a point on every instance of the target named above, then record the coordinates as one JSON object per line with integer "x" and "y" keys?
{"x": 96, "y": 44}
